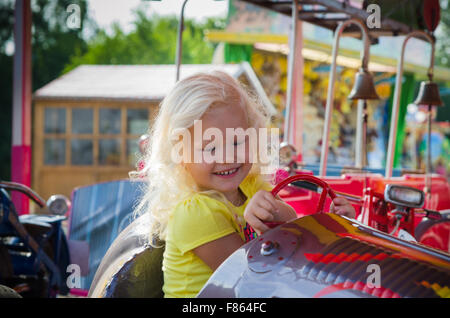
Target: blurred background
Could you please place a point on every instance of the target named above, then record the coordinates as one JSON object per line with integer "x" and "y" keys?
{"x": 97, "y": 86}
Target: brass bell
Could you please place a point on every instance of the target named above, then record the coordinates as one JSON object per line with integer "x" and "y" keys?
{"x": 363, "y": 87}
{"x": 428, "y": 95}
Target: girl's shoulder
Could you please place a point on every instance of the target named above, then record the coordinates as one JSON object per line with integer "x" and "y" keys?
{"x": 198, "y": 203}
{"x": 208, "y": 216}
{"x": 203, "y": 203}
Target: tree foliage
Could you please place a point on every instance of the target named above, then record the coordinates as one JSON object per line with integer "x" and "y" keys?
{"x": 53, "y": 43}
{"x": 57, "y": 49}
{"x": 153, "y": 41}
{"x": 443, "y": 38}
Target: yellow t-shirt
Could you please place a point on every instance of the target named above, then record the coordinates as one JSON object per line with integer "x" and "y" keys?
{"x": 194, "y": 222}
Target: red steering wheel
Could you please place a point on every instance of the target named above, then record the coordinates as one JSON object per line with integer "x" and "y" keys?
{"x": 326, "y": 189}
{"x": 311, "y": 179}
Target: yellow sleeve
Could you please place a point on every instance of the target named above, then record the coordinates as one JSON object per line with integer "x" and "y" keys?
{"x": 199, "y": 220}
{"x": 263, "y": 185}
{"x": 254, "y": 183}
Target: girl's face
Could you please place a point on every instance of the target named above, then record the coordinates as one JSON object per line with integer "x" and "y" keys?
{"x": 226, "y": 174}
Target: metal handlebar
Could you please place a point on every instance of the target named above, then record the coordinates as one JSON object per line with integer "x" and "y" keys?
{"x": 14, "y": 186}
{"x": 331, "y": 81}
{"x": 311, "y": 179}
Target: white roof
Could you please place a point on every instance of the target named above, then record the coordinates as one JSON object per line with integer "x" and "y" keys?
{"x": 136, "y": 82}
{"x": 150, "y": 82}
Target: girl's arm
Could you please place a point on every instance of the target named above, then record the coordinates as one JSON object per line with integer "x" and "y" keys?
{"x": 215, "y": 252}
{"x": 264, "y": 207}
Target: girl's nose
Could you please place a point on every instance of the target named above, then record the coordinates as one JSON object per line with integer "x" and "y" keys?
{"x": 230, "y": 154}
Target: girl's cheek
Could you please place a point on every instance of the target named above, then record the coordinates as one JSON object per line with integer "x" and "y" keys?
{"x": 200, "y": 172}
{"x": 196, "y": 156}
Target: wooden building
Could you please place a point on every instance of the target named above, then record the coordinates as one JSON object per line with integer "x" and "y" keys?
{"x": 87, "y": 123}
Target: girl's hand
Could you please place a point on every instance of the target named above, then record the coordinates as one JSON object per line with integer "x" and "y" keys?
{"x": 264, "y": 207}
{"x": 341, "y": 206}
{"x": 260, "y": 209}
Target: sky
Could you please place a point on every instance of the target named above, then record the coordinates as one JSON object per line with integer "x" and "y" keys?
{"x": 105, "y": 12}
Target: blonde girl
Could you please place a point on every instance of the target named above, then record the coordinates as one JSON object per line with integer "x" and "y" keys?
{"x": 203, "y": 210}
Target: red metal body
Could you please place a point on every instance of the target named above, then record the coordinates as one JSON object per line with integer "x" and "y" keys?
{"x": 355, "y": 184}
{"x": 380, "y": 215}
{"x": 365, "y": 192}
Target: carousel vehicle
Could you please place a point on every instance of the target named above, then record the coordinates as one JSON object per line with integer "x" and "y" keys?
{"x": 325, "y": 255}
{"x": 34, "y": 252}
{"x": 318, "y": 255}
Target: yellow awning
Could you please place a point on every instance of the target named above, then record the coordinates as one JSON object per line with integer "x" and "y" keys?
{"x": 317, "y": 51}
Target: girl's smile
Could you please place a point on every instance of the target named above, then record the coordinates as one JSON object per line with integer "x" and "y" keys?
{"x": 229, "y": 173}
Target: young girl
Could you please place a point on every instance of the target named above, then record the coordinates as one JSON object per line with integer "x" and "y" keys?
{"x": 203, "y": 209}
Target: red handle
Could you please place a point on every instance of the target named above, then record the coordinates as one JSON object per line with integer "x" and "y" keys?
{"x": 304, "y": 177}
{"x": 312, "y": 179}
{"x": 309, "y": 178}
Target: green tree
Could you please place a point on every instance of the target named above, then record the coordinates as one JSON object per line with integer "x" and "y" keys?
{"x": 52, "y": 45}
{"x": 153, "y": 41}
{"x": 443, "y": 37}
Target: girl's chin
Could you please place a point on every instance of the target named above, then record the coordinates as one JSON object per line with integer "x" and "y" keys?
{"x": 230, "y": 182}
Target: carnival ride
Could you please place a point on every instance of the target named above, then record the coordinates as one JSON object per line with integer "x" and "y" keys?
{"x": 360, "y": 180}
{"x": 327, "y": 255}
{"x": 319, "y": 254}
{"x": 34, "y": 252}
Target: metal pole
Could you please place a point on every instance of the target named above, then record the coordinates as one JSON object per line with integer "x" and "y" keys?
{"x": 179, "y": 49}
{"x": 364, "y": 135}
{"x": 288, "y": 136}
{"x": 359, "y": 135}
{"x": 397, "y": 94}
{"x": 21, "y": 120}
{"x": 331, "y": 81}
{"x": 429, "y": 167}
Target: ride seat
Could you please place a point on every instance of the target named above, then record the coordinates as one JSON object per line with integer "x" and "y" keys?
{"x": 132, "y": 267}
{"x": 35, "y": 225}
